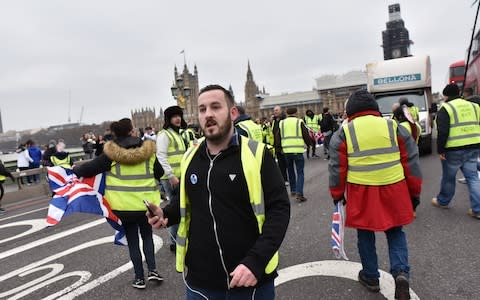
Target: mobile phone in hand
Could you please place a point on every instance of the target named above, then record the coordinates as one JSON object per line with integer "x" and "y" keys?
{"x": 147, "y": 204}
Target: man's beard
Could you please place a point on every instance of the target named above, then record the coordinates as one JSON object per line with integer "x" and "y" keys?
{"x": 223, "y": 131}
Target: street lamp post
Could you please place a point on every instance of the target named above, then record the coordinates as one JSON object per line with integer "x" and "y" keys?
{"x": 182, "y": 93}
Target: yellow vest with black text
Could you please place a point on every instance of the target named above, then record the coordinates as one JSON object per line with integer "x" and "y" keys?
{"x": 372, "y": 151}
{"x": 253, "y": 130}
{"x": 464, "y": 123}
{"x": 126, "y": 186}
{"x": 61, "y": 162}
{"x": 176, "y": 149}
{"x": 251, "y": 156}
{"x": 312, "y": 123}
{"x": 188, "y": 136}
{"x": 291, "y": 135}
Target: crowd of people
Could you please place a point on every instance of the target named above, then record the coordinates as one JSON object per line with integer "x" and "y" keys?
{"x": 225, "y": 182}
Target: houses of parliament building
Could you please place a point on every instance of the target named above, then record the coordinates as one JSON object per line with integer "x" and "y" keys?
{"x": 331, "y": 91}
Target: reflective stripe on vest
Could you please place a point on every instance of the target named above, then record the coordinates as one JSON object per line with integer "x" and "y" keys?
{"x": 61, "y": 162}
{"x": 188, "y": 136}
{"x": 312, "y": 123}
{"x": 464, "y": 123}
{"x": 176, "y": 149}
{"x": 291, "y": 135}
{"x": 251, "y": 156}
{"x": 372, "y": 150}
{"x": 128, "y": 185}
{"x": 253, "y": 130}
{"x": 408, "y": 127}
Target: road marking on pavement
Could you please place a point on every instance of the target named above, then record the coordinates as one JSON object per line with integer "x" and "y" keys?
{"x": 50, "y": 238}
{"x": 22, "y": 214}
{"x": 35, "y": 224}
{"x": 337, "y": 268}
{"x": 158, "y": 243}
{"x": 84, "y": 275}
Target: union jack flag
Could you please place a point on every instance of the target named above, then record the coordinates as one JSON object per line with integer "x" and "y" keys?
{"x": 338, "y": 225}
{"x": 84, "y": 195}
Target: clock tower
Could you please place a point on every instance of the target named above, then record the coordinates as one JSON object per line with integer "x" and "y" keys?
{"x": 396, "y": 40}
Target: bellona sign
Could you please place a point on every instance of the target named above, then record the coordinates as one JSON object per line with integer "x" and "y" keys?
{"x": 397, "y": 79}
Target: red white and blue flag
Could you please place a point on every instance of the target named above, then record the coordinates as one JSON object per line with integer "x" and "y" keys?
{"x": 84, "y": 195}
{"x": 338, "y": 227}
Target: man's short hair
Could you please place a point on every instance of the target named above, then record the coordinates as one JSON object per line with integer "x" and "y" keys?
{"x": 228, "y": 95}
{"x": 325, "y": 109}
{"x": 241, "y": 109}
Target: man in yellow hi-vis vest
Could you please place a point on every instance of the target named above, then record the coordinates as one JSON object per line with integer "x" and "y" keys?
{"x": 233, "y": 209}
{"x": 4, "y": 173}
{"x": 246, "y": 127}
{"x": 170, "y": 148}
{"x": 293, "y": 136}
{"x": 374, "y": 165}
{"x": 458, "y": 145}
{"x": 131, "y": 168}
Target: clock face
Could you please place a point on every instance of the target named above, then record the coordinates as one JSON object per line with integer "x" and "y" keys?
{"x": 396, "y": 53}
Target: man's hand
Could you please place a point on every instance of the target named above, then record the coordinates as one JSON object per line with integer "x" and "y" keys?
{"x": 442, "y": 156}
{"x": 173, "y": 181}
{"x": 157, "y": 221}
{"x": 242, "y": 276}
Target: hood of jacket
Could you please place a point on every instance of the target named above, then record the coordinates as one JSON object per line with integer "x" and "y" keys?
{"x": 129, "y": 150}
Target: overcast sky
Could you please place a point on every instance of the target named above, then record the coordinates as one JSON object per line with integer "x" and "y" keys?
{"x": 115, "y": 56}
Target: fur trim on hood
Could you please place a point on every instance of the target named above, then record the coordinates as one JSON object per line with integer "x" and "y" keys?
{"x": 129, "y": 156}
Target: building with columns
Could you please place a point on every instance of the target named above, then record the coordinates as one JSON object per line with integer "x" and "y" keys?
{"x": 334, "y": 90}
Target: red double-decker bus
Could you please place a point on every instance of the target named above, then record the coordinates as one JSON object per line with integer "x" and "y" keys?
{"x": 456, "y": 73}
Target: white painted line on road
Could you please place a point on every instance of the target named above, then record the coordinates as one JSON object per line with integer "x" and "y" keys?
{"x": 337, "y": 268}
{"x": 22, "y": 214}
{"x": 50, "y": 238}
{"x": 48, "y": 259}
{"x": 35, "y": 224}
{"x": 158, "y": 242}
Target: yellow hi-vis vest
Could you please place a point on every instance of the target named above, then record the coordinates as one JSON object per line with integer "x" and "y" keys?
{"x": 408, "y": 127}
{"x": 188, "y": 136}
{"x": 2, "y": 178}
{"x": 61, "y": 162}
{"x": 176, "y": 149}
{"x": 372, "y": 151}
{"x": 251, "y": 156}
{"x": 127, "y": 186}
{"x": 291, "y": 135}
{"x": 414, "y": 111}
{"x": 253, "y": 130}
{"x": 464, "y": 123}
{"x": 312, "y": 123}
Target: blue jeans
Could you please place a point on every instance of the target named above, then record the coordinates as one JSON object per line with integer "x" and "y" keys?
{"x": 167, "y": 187}
{"x": 397, "y": 251}
{"x": 296, "y": 181}
{"x": 134, "y": 222}
{"x": 264, "y": 292}
{"x": 465, "y": 160}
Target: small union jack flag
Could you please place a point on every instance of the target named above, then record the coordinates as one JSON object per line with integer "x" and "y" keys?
{"x": 338, "y": 225}
{"x": 84, "y": 195}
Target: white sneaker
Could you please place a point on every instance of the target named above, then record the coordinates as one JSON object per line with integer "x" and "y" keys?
{"x": 286, "y": 183}
{"x": 462, "y": 180}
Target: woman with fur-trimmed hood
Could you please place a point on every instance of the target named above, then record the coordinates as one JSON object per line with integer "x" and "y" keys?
{"x": 131, "y": 167}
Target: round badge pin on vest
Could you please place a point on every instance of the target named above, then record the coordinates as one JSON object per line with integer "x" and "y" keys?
{"x": 193, "y": 179}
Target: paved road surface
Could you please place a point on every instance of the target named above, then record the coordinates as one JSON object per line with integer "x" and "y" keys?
{"x": 78, "y": 258}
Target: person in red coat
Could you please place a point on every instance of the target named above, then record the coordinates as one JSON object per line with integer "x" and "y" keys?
{"x": 374, "y": 165}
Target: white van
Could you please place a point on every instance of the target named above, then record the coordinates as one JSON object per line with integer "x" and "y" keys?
{"x": 408, "y": 77}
